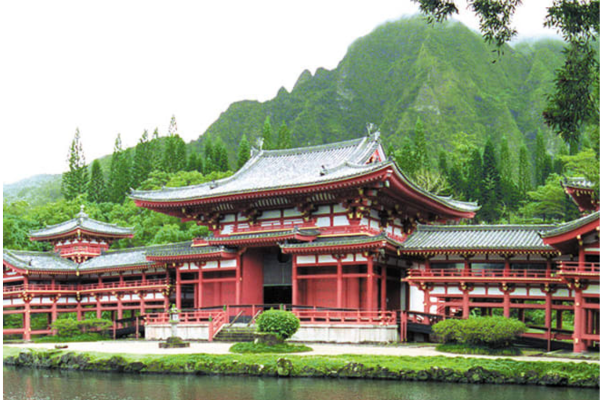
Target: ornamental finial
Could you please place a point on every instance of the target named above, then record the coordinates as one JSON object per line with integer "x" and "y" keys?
{"x": 82, "y": 214}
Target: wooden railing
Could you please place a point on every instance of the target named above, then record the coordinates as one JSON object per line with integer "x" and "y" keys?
{"x": 575, "y": 266}
{"x": 214, "y": 319}
{"x": 42, "y": 287}
{"x": 480, "y": 273}
{"x": 357, "y": 317}
{"x": 273, "y": 227}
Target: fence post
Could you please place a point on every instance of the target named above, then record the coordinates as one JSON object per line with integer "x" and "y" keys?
{"x": 210, "y": 329}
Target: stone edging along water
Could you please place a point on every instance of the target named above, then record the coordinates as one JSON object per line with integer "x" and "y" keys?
{"x": 433, "y": 369}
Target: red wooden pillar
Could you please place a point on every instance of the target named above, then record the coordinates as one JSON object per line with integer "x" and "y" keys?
{"x": 465, "y": 302}
{"x": 506, "y": 271}
{"x": 177, "y": 288}
{"x": 27, "y": 321}
{"x": 370, "y": 282}
{"x": 295, "y": 294}
{"x": 548, "y": 318}
{"x": 54, "y": 311}
{"x": 238, "y": 281}
{"x": 79, "y": 310}
{"x": 200, "y": 283}
{"x": 119, "y": 307}
{"x": 426, "y": 300}
{"x": 506, "y": 304}
{"x": 142, "y": 303}
{"x": 98, "y": 307}
{"x": 578, "y": 323}
{"x": 384, "y": 287}
{"x": 340, "y": 282}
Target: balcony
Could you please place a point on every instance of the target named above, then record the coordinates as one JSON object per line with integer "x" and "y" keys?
{"x": 92, "y": 287}
{"x": 479, "y": 275}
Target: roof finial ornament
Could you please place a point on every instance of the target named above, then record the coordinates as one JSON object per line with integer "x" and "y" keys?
{"x": 372, "y": 131}
{"x": 82, "y": 214}
{"x": 259, "y": 142}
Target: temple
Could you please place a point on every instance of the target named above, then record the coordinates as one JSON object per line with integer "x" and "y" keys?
{"x": 335, "y": 233}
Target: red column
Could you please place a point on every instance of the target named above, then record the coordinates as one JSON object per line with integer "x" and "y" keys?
{"x": 119, "y": 307}
{"x": 426, "y": 301}
{"x": 548, "y": 319}
{"x": 506, "y": 304}
{"x": 238, "y": 281}
{"x": 142, "y": 304}
{"x": 200, "y": 283}
{"x": 506, "y": 267}
{"x": 384, "y": 287}
{"x": 370, "y": 282}
{"x": 177, "y": 288}
{"x": 98, "y": 308}
{"x": 578, "y": 323}
{"x": 295, "y": 294}
{"x": 27, "y": 322}
{"x": 339, "y": 303}
{"x": 54, "y": 311}
{"x": 465, "y": 304}
{"x": 581, "y": 260}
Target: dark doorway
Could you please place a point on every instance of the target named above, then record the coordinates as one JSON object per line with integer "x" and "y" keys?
{"x": 278, "y": 294}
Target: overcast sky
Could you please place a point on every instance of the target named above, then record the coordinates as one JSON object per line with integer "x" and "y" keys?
{"x": 124, "y": 66}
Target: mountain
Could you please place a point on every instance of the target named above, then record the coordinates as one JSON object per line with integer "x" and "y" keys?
{"x": 38, "y": 189}
{"x": 443, "y": 74}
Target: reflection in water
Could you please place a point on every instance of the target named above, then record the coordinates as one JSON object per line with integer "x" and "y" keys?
{"x": 27, "y": 384}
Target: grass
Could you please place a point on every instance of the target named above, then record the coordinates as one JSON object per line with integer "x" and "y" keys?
{"x": 479, "y": 350}
{"x": 249, "y": 347}
{"x": 84, "y": 337}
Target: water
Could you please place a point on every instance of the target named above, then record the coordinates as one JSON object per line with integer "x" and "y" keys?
{"x": 29, "y": 384}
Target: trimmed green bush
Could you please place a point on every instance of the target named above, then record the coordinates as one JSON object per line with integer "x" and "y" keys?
{"x": 492, "y": 332}
{"x": 283, "y": 323}
{"x": 246, "y": 347}
{"x": 68, "y": 327}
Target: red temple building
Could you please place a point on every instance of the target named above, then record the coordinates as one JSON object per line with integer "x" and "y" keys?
{"x": 335, "y": 233}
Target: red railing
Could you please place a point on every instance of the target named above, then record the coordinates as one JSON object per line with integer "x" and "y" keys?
{"x": 349, "y": 230}
{"x": 87, "y": 287}
{"x": 575, "y": 266}
{"x": 357, "y": 317}
{"x": 215, "y": 320}
{"x": 480, "y": 273}
{"x": 273, "y": 227}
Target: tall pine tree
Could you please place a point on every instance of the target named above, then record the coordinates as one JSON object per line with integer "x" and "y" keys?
{"x": 74, "y": 181}
{"x": 209, "y": 156}
{"x": 542, "y": 160}
{"x": 524, "y": 180}
{"x": 119, "y": 181}
{"x": 221, "y": 158}
{"x": 267, "y": 135}
{"x": 243, "y": 154}
{"x": 474, "y": 179}
{"x": 96, "y": 186}
{"x": 156, "y": 151}
{"x": 490, "y": 194}
{"x": 421, "y": 160}
{"x": 142, "y": 161}
{"x": 284, "y": 138}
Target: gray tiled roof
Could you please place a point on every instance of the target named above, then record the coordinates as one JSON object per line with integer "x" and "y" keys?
{"x": 571, "y": 225}
{"x": 82, "y": 221}
{"x": 280, "y": 169}
{"x": 183, "y": 249}
{"x": 578, "y": 182}
{"x": 263, "y": 235}
{"x": 340, "y": 241}
{"x": 476, "y": 237}
{"x": 38, "y": 261}
{"x": 117, "y": 258}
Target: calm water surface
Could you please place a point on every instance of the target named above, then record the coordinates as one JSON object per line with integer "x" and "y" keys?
{"x": 26, "y": 384}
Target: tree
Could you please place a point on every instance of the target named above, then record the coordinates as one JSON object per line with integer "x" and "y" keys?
{"x": 243, "y": 152}
{"x": 96, "y": 188}
{"x": 284, "y": 139}
{"x": 420, "y": 147}
{"x": 267, "y": 135}
{"x": 524, "y": 172}
{"x": 221, "y": 158}
{"x": 120, "y": 179}
{"x": 575, "y": 97}
{"x": 490, "y": 192}
{"x": 156, "y": 151}
{"x": 74, "y": 181}
{"x": 142, "y": 161}
{"x": 175, "y": 154}
{"x": 209, "y": 156}
{"x": 542, "y": 160}
{"x": 474, "y": 181}
{"x": 547, "y": 201}
{"x": 405, "y": 157}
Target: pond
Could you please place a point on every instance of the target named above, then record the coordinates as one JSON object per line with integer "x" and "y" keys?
{"x": 31, "y": 384}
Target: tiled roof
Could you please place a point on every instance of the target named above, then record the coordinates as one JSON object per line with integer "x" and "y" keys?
{"x": 578, "y": 182}
{"x": 38, "y": 261}
{"x": 476, "y": 237}
{"x": 117, "y": 258}
{"x": 340, "y": 241}
{"x": 183, "y": 249}
{"x": 291, "y": 168}
{"x": 263, "y": 235}
{"x": 572, "y": 225}
{"x": 82, "y": 221}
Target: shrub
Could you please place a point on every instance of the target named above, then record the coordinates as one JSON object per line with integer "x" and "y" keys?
{"x": 493, "y": 332}
{"x": 283, "y": 323}
{"x": 68, "y": 327}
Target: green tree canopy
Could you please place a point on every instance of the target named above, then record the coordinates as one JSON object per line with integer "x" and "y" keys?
{"x": 74, "y": 181}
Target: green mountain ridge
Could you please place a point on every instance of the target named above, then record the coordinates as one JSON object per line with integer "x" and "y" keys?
{"x": 443, "y": 74}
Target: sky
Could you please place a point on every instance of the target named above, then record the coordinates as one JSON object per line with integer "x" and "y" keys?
{"x": 115, "y": 67}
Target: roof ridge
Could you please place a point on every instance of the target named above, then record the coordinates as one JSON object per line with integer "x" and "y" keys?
{"x": 318, "y": 147}
{"x": 484, "y": 227}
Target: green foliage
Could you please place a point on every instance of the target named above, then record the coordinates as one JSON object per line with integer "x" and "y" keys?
{"x": 548, "y": 202}
{"x": 483, "y": 350}
{"x": 284, "y": 139}
{"x": 249, "y": 347}
{"x": 74, "y": 181}
{"x": 283, "y": 323}
{"x": 96, "y": 191}
{"x": 267, "y": 135}
{"x": 493, "y": 332}
{"x": 142, "y": 161}
{"x": 221, "y": 159}
{"x": 243, "y": 152}
{"x": 120, "y": 173}
{"x": 69, "y": 328}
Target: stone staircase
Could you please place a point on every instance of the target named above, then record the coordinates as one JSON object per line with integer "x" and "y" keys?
{"x": 235, "y": 333}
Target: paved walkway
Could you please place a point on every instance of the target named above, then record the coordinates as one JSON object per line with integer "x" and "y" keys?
{"x": 151, "y": 347}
